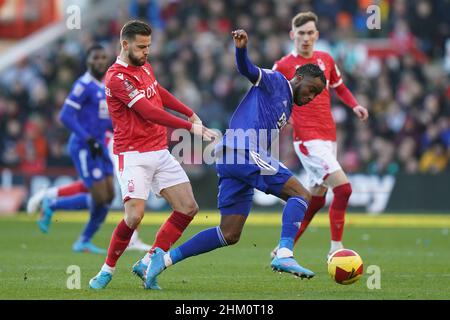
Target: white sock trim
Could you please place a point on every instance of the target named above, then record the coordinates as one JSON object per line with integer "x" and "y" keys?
{"x": 108, "y": 269}
{"x": 167, "y": 260}
{"x": 336, "y": 245}
{"x": 284, "y": 253}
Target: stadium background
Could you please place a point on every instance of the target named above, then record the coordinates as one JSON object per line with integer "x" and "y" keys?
{"x": 398, "y": 161}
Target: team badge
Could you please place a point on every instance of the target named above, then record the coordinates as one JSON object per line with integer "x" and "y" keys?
{"x": 130, "y": 186}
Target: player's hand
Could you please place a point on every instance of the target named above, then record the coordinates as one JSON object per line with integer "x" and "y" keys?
{"x": 240, "y": 38}
{"x": 94, "y": 147}
{"x": 361, "y": 112}
{"x": 195, "y": 119}
{"x": 202, "y": 131}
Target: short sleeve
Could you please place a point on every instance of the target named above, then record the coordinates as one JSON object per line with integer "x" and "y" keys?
{"x": 77, "y": 96}
{"x": 123, "y": 89}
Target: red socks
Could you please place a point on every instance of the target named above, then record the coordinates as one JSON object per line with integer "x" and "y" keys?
{"x": 314, "y": 206}
{"x": 171, "y": 231}
{"x": 72, "y": 189}
{"x": 337, "y": 210}
{"x": 119, "y": 242}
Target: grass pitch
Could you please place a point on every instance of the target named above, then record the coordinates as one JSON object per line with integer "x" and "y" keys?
{"x": 412, "y": 252}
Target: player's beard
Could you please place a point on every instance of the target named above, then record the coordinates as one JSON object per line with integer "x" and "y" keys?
{"x": 134, "y": 60}
{"x": 98, "y": 74}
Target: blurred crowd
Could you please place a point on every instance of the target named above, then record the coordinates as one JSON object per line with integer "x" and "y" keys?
{"x": 404, "y": 81}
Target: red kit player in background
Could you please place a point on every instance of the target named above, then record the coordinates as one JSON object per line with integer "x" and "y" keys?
{"x": 315, "y": 129}
{"x": 136, "y": 104}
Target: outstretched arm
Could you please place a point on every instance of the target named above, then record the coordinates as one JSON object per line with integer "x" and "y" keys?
{"x": 245, "y": 66}
{"x": 347, "y": 98}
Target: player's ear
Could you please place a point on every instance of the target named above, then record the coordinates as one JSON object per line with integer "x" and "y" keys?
{"x": 291, "y": 34}
{"x": 125, "y": 44}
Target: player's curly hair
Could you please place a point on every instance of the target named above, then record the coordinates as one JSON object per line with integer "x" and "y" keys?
{"x": 311, "y": 70}
{"x": 133, "y": 28}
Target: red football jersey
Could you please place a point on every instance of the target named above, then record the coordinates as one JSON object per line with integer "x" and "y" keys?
{"x": 313, "y": 120}
{"x": 124, "y": 86}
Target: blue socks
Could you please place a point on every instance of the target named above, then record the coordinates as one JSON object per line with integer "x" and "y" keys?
{"x": 202, "y": 242}
{"x": 293, "y": 214}
{"x": 98, "y": 215}
{"x": 76, "y": 202}
{"x": 80, "y": 202}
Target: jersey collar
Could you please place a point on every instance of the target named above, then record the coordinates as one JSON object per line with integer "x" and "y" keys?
{"x": 121, "y": 62}
{"x": 126, "y": 65}
{"x": 90, "y": 77}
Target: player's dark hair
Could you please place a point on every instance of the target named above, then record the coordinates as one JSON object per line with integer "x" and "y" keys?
{"x": 133, "y": 28}
{"x": 93, "y": 48}
{"x": 311, "y": 70}
{"x": 303, "y": 18}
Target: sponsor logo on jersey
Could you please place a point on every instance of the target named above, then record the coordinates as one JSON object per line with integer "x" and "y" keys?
{"x": 150, "y": 91}
{"x": 282, "y": 121}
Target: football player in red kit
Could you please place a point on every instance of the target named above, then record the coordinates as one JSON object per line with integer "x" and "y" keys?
{"x": 136, "y": 104}
{"x": 315, "y": 130}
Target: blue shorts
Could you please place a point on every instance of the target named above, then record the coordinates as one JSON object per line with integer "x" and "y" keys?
{"x": 248, "y": 171}
{"x": 90, "y": 170}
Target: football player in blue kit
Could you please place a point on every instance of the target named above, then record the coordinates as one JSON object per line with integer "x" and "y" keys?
{"x": 243, "y": 162}
{"x": 85, "y": 114}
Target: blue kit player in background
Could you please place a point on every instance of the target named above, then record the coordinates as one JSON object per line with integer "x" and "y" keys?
{"x": 243, "y": 163}
{"x": 85, "y": 114}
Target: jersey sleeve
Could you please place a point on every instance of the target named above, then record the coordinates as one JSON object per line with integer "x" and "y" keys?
{"x": 335, "y": 74}
{"x": 77, "y": 96}
{"x": 268, "y": 80}
{"x": 123, "y": 89}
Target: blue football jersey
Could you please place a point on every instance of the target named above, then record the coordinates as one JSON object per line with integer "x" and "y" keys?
{"x": 88, "y": 98}
{"x": 261, "y": 114}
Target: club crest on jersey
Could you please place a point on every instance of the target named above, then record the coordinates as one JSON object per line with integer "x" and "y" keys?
{"x": 130, "y": 186}
{"x": 321, "y": 64}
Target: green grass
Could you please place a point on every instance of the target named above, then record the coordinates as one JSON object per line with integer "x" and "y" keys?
{"x": 414, "y": 264}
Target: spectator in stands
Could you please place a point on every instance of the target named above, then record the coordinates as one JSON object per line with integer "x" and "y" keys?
{"x": 32, "y": 150}
{"x": 435, "y": 159}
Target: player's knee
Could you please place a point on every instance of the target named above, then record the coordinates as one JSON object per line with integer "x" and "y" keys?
{"x": 305, "y": 194}
{"x": 191, "y": 208}
{"x": 110, "y": 197}
{"x": 133, "y": 220}
{"x": 343, "y": 191}
{"x": 98, "y": 198}
{"x": 101, "y": 199}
